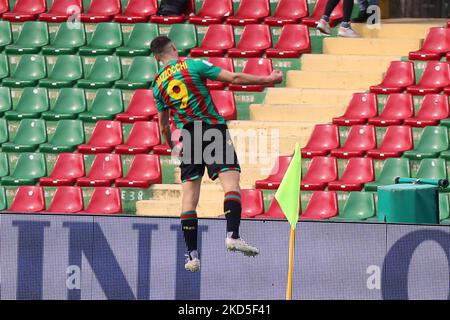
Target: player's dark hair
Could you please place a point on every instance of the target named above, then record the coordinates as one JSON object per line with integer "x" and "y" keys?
{"x": 159, "y": 45}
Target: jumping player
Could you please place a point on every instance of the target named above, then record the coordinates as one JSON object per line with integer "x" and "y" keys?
{"x": 179, "y": 90}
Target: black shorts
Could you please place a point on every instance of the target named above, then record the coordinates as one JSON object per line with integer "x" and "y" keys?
{"x": 206, "y": 146}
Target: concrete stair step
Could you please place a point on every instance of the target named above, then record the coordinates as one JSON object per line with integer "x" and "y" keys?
{"x": 298, "y": 96}
{"x": 335, "y": 62}
{"x": 395, "y": 30}
{"x": 313, "y": 113}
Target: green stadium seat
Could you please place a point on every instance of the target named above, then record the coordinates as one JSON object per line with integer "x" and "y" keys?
{"x": 105, "y": 71}
{"x": 3, "y": 204}
{"x": 5, "y": 34}
{"x": 68, "y": 134}
{"x": 33, "y": 36}
{"x": 393, "y": 167}
{"x": 31, "y": 104}
{"x": 444, "y": 208}
{"x": 4, "y": 164}
{"x": 67, "y": 70}
{"x": 30, "y": 134}
{"x": 67, "y": 40}
{"x": 138, "y": 42}
{"x": 5, "y": 100}
{"x": 140, "y": 74}
{"x": 434, "y": 140}
{"x": 359, "y": 206}
{"x": 30, "y": 69}
{"x": 70, "y": 102}
{"x": 106, "y": 104}
{"x": 4, "y": 66}
{"x": 4, "y": 133}
{"x": 184, "y": 36}
{"x": 105, "y": 39}
{"x": 29, "y": 168}
{"x": 432, "y": 169}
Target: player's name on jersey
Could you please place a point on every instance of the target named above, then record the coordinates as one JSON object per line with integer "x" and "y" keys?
{"x": 168, "y": 72}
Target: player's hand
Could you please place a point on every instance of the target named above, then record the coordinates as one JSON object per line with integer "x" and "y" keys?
{"x": 177, "y": 151}
{"x": 276, "y": 77}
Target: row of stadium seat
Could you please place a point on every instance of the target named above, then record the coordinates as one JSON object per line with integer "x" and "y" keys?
{"x": 435, "y": 46}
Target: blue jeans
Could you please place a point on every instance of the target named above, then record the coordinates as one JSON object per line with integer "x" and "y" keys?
{"x": 364, "y": 4}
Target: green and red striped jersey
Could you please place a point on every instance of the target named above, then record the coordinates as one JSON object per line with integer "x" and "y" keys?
{"x": 180, "y": 86}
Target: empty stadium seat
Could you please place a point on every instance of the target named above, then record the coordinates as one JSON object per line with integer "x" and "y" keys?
{"x": 324, "y": 138}
{"x": 106, "y": 37}
{"x": 67, "y": 169}
{"x": 66, "y": 71}
{"x": 31, "y": 104}
{"x": 4, "y": 66}
{"x": 254, "y": 41}
{"x": 322, "y": 205}
{"x": 252, "y": 203}
{"x": 321, "y": 171}
{"x": 106, "y": 104}
{"x": 25, "y": 10}
{"x": 140, "y": 74}
{"x": 435, "y": 78}
{"x": 396, "y": 140}
{"x": 276, "y": 175}
{"x": 68, "y": 135}
{"x": 105, "y": 200}
{"x": 294, "y": 40}
{"x": 398, "y": 107}
{"x": 218, "y": 39}
{"x": 4, "y": 133}
{"x": 357, "y": 172}
{"x": 362, "y": 107}
{"x": 257, "y": 67}
{"x": 3, "y": 204}
{"x": 319, "y": 9}
{"x": 105, "y": 168}
{"x": 145, "y": 170}
{"x": 434, "y": 139}
{"x": 435, "y": 46}
{"x": 250, "y": 11}
{"x": 392, "y": 168}
{"x": 62, "y": 10}
{"x": 444, "y": 208}
{"x": 29, "y": 168}
{"x": 274, "y": 211}
{"x": 139, "y": 40}
{"x": 5, "y": 100}
{"x": 223, "y": 63}
{"x": 106, "y": 135}
{"x": 288, "y": 12}
{"x": 361, "y": 138}
{"x": 432, "y": 169}
{"x": 67, "y": 40}
{"x": 212, "y": 11}
{"x": 398, "y": 77}
{"x": 142, "y": 107}
{"x": 184, "y": 36}
{"x": 434, "y": 108}
{"x": 144, "y": 135}
{"x": 6, "y": 37}
{"x": 30, "y": 134}
{"x": 359, "y": 206}
{"x": 28, "y": 199}
{"x": 32, "y": 37}
{"x": 67, "y": 199}
{"x": 69, "y": 103}
{"x": 4, "y": 6}
{"x": 30, "y": 69}
{"x": 137, "y": 11}
{"x": 190, "y": 8}
{"x": 105, "y": 71}
{"x": 101, "y": 11}
{"x": 225, "y": 103}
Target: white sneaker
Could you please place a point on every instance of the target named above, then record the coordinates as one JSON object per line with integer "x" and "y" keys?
{"x": 324, "y": 27}
{"x": 192, "y": 262}
{"x": 241, "y": 246}
{"x": 347, "y": 33}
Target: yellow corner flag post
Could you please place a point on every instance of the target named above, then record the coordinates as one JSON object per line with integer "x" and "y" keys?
{"x": 288, "y": 198}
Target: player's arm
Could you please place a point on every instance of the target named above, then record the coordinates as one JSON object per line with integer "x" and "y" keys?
{"x": 164, "y": 125}
{"x": 247, "y": 79}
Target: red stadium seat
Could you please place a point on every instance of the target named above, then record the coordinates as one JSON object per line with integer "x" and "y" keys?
{"x": 142, "y": 107}
{"x": 274, "y": 211}
{"x": 225, "y": 103}
{"x": 137, "y": 11}
{"x": 322, "y": 170}
{"x": 212, "y": 11}
{"x": 4, "y": 6}
{"x": 396, "y": 140}
{"x": 28, "y": 199}
{"x": 319, "y": 9}
{"x": 361, "y": 138}
{"x": 398, "y": 77}
{"x": 101, "y": 11}
{"x": 435, "y": 78}
{"x": 448, "y": 24}
{"x": 252, "y": 203}
{"x": 145, "y": 170}
{"x": 105, "y": 168}
{"x": 250, "y": 11}
{"x": 174, "y": 19}
{"x": 276, "y": 175}
{"x": 324, "y": 138}
{"x": 255, "y": 40}
{"x": 68, "y": 168}
{"x": 25, "y": 10}
{"x": 433, "y": 109}
{"x": 294, "y": 40}
{"x": 322, "y": 205}
{"x": 144, "y": 135}
{"x": 287, "y": 12}
{"x": 106, "y": 135}
{"x": 223, "y": 63}
{"x": 448, "y": 56}
{"x": 257, "y": 67}
{"x": 67, "y": 200}
{"x": 435, "y": 46}
{"x": 105, "y": 200}
{"x": 357, "y": 172}
{"x": 164, "y": 149}
{"x": 447, "y": 91}
{"x": 61, "y": 10}
{"x": 398, "y": 107}
{"x": 218, "y": 39}
{"x": 362, "y": 107}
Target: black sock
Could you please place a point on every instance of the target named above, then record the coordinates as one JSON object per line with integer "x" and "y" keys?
{"x": 232, "y": 208}
{"x": 189, "y": 224}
